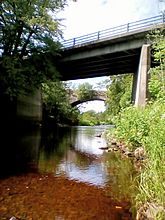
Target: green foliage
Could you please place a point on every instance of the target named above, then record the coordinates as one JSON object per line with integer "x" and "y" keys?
{"x": 157, "y": 78}
{"x": 93, "y": 118}
{"x": 56, "y": 103}
{"x": 85, "y": 91}
{"x": 88, "y": 118}
{"x": 131, "y": 126}
{"x": 28, "y": 40}
{"x": 146, "y": 127}
{"x": 157, "y": 40}
{"x": 119, "y": 93}
{"x": 152, "y": 179}
{"x": 122, "y": 175}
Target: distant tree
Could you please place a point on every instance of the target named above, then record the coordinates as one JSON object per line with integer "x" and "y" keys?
{"x": 157, "y": 74}
{"x": 56, "y": 103}
{"x": 89, "y": 118}
{"x": 85, "y": 91}
{"x": 118, "y": 93}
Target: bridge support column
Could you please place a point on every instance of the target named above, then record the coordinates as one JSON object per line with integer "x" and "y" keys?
{"x": 142, "y": 77}
{"x": 30, "y": 107}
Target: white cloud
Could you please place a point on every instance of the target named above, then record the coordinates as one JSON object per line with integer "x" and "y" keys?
{"x": 87, "y": 16}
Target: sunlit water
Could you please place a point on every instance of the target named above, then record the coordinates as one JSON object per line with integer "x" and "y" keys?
{"x": 83, "y": 160}
{"x": 31, "y": 157}
{"x": 77, "y": 155}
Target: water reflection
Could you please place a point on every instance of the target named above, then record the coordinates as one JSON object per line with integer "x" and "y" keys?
{"x": 75, "y": 152}
{"x": 121, "y": 176}
{"x": 87, "y": 140}
{"x": 19, "y": 151}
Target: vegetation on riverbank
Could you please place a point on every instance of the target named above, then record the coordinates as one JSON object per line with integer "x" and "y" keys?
{"x": 91, "y": 118}
{"x": 145, "y": 127}
{"x": 56, "y": 106}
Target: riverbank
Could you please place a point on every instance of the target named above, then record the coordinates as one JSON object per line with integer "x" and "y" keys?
{"x": 37, "y": 196}
{"x": 141, "y": 132}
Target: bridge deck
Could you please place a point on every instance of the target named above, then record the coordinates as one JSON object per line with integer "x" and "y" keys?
{"x": 114, "y": 32}
{"x": 108, "y": 52}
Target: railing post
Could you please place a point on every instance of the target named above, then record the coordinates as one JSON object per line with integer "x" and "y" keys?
{"x": 98, "y": 35}
{"x": 128, "y": 27}
{"x": 74, "y": 41}
{"x": 163, "y": 17}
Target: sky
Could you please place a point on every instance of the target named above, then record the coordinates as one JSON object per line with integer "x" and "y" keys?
{"x": 87, "y": 16}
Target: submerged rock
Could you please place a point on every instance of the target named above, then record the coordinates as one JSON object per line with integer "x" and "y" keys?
{"x": 99, "y": 135}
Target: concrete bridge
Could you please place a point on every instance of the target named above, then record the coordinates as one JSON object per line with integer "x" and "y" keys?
{"x": 118, "y": 50}
{"x": 96, "y": 95}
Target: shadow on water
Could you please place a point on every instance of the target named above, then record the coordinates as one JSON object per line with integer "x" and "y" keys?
{"x": 54, "y": 145}
{"x": 19, "y": 149}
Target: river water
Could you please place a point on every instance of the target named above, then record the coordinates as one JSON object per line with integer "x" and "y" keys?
{"x": 71, "y": 164}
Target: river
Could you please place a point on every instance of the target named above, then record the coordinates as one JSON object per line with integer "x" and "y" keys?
{"x": 64, "y": 174}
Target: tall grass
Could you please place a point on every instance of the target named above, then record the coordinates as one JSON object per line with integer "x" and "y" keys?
{"x": 146, "y": 127}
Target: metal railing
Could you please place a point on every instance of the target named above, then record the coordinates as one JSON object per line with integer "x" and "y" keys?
{"x": 114, "y": 31}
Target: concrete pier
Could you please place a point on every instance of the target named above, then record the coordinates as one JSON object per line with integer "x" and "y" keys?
{"x": 30, "y": 107}
{"x": 142, "y": 76}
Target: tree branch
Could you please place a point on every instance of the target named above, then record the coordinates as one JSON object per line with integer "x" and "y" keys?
{"x": 26, "y": 43}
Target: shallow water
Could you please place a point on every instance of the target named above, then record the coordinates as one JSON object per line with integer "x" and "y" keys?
{"x": 70, "y": 177}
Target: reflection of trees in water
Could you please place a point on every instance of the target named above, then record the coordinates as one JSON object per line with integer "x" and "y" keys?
{"x": 121, "y": 175}
{"x": 19, "y": 151}
{"x": 81, "y": 159}
{"x": 55, "y": 141}
{"x": 55, "y": 144}
{"x": 59, "y": 144}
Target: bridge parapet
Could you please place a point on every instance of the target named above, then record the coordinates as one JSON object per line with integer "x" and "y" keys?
{"x": 114, "y": 31}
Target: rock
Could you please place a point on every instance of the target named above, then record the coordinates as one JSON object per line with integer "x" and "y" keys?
{"x": 139, "y": 153}
{"x": 13, "y": 218}
{"x": 113, "y": 142}
{"x": 103, "y": 148}
{"x": 149, "y": 211}
{"x": 123, "y": 148}
{"x": 99, "y": 135}
{"x": 129, "y": 154}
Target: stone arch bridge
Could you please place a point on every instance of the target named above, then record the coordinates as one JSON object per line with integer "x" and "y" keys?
{"x": 94, "y": 95}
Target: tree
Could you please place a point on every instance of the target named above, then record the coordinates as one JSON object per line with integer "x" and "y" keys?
{"x": 28, "y": 40}
{"x": 118, "y": 93}
{"x": 157, "y": 74}
{"x": 56, "y": 103}
{"x": 85, "y": 91}
{"x": 89, "y": 118}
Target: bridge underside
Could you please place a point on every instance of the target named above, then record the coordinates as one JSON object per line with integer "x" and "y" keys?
{"x": 112, "y": 56}
{"x": 103, "y": 65}
{"x": 128, "y": 53}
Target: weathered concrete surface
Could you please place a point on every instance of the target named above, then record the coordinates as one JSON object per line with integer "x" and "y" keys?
{"x": 142, "y": 77}
{"x": 30, "y": 107}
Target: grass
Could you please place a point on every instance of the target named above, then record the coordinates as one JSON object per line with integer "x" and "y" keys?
{"x": 146, "y": 127}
